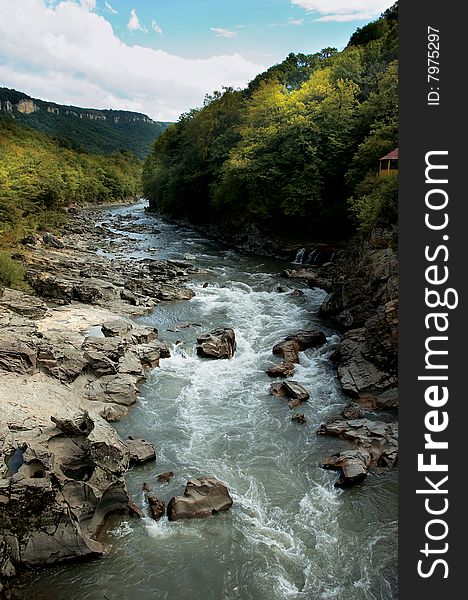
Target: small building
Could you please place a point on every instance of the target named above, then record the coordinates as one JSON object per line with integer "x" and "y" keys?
{"x": 388, "y": 164}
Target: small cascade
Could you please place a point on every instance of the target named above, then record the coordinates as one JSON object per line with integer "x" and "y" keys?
{"x": 299, "y": 256}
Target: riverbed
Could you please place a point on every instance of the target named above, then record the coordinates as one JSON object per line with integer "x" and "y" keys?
{"x": 290, "y": 533}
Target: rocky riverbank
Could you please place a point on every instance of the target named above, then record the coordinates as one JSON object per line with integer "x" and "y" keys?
{"x": 70, "y": 360}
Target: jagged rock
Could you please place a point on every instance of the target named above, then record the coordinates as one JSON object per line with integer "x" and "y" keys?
{"x": 299, "y": 418}
{"x": 302, "y": 340}
{"x": 113, "y": 412}
{"x": 149, "y": 354}
{"x": 297, "y": 293}
{"x": 352, "y": 411}
{"x": 142, "y": 335}
{"x": 378, "y": 438}
{"x": 80, "y": 424}
{"x": 120, "y": 389}
{"x": 60, "y": 359}
{"x": 165, "y": 477}
{"x": 17, "y": 356}
{"x": 289, "y": 350}
{"x": 140, "y": 451}
{"x": 134, "y": 510}
{"x": 24, "y": 304}
{"x": 310, "y": 276}
{"x": 112, "y": 348}
{"x": 290, "y": 389}
{"x": 282, "y": 370}
{"x": 51, "y": 240}
{"x": 170, "y": 292}
{"x": 203, "y": 497}
{"x": 219, "y": 343}
{"x": 352, "y": 464}
{"x": 116, "y": 328}
{"x": 157, "y": 506}
{"x": 99, "y": 364}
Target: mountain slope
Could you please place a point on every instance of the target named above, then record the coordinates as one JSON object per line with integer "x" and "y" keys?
{"x": 96, "y": 131}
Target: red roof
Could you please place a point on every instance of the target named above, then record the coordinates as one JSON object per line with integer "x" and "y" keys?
{"x": 393, "y": 155}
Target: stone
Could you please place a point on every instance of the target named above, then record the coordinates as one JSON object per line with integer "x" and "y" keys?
{"x": 165, "y": 477}
{"x": 99, "y": 364}
{"x": 219, "y": 343}
{"x": 140, "y": 451}
{"x": 380, "y": 439}
{"x": 282, "y": 370}
{"x": 17, "y": 356}
{"x": 353, "y": 466}
{"x": 79, "y": 424}
{"x": 116, "y": 328}
{"x": 157, "y": 506}
{"x": 120, "y": 389}
{"x": 51, "y": 240}
{"x": 294, "y": 403}
{"x": 290, "y": 389}
{"x": 134, "y": 510}
{"x": 203, "y": 497}
{"x": 299, "y": 418}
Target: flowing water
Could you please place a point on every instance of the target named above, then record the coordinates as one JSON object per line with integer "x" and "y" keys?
{"x": 290, "y": 534}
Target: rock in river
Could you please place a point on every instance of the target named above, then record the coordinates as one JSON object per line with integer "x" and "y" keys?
{"x": 202, "y": 497}
{"x": 140, "y": 450}
{"x": 219, "y": 343}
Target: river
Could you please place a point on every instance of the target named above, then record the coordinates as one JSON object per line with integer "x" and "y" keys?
{"x": 290, "y": 534}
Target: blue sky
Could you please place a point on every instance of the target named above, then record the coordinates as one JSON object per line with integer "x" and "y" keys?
{"x": 263, "y": 31}
{"x": 161, "y": 57}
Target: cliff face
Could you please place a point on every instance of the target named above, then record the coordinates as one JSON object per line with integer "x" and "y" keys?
{"x": 364, "y": 302}
{"x": 93, "y": 130}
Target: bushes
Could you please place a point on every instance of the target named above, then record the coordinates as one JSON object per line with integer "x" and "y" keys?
{"x": 11, "y": 273}
{"x": 376, "y": 203}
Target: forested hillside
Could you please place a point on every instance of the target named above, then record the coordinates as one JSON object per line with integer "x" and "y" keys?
{"x": 297, "y": 150}
{"x": 97, "y": 131}
{"x": 41, "y": 176}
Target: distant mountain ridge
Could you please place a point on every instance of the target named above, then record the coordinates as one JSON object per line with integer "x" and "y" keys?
{"x": 93, "y": 130}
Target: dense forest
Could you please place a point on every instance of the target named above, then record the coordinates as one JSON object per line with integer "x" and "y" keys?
{"x": 88, "y": 129}
{"x": 40, "y": 176}
{"x": 296, "y": 151}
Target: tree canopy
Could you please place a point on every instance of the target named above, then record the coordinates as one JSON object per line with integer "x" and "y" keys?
{"x": 291, "y": 149}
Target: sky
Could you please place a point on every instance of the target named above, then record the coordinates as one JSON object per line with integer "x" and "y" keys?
{"x": 161, "y": 57}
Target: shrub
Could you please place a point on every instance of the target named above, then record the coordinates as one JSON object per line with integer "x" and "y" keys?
{"x": 376, "y": 203}
{"x": 11, "y": 273}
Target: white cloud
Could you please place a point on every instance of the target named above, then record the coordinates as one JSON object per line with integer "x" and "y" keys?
{"x": 72, "y": 56}
{"x": 343, "y": 10}
{"x": 296, "y": 22}
{"x": 226, "y": 33}
{"x": 134, "y": 23}
{"x": 110, "y": 8}
{"x": 156, "y": 27}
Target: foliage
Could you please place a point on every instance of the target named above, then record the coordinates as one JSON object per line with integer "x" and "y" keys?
{"x": 287, "y": 152}
{"x": 39, "y": 178}
{"x": 376, "y": 203}
{"x": 11, "y": 272}
{"x": 90, "y": 130}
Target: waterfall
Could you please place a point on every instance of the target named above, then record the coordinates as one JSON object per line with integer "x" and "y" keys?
{"x": 299, "y": 256}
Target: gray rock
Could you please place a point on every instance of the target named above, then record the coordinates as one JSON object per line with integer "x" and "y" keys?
{"x": 157, "y": 506}
{"x": 51, "y": 240}
{"x": 353, "y": 466}
{"x": 140, "y": 451}
{"x": 290, "y": 389}
{"x": 116, "y": 328}
{"x": 17, "y": 356}
{"x": 80, "y": 424}
{"x": 203, "y": 497}
{"x": 219, "y": 343}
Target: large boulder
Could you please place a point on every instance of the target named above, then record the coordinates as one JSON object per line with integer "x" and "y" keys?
{"x": 16, "y": 356}
{"x": 353, "y": 466}
{"x": 289, "y": 350}
{"x": 76, "y": 425}
{"x": 380, "y": 439}
{"x": 140, "y": 451}
{"x": 203, "y": 497}
{"x": 219, "y": 343}
{"x": 290, "y": 389}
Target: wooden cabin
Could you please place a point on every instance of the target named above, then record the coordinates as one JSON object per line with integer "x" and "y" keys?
{"x": 388, "y": 164}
